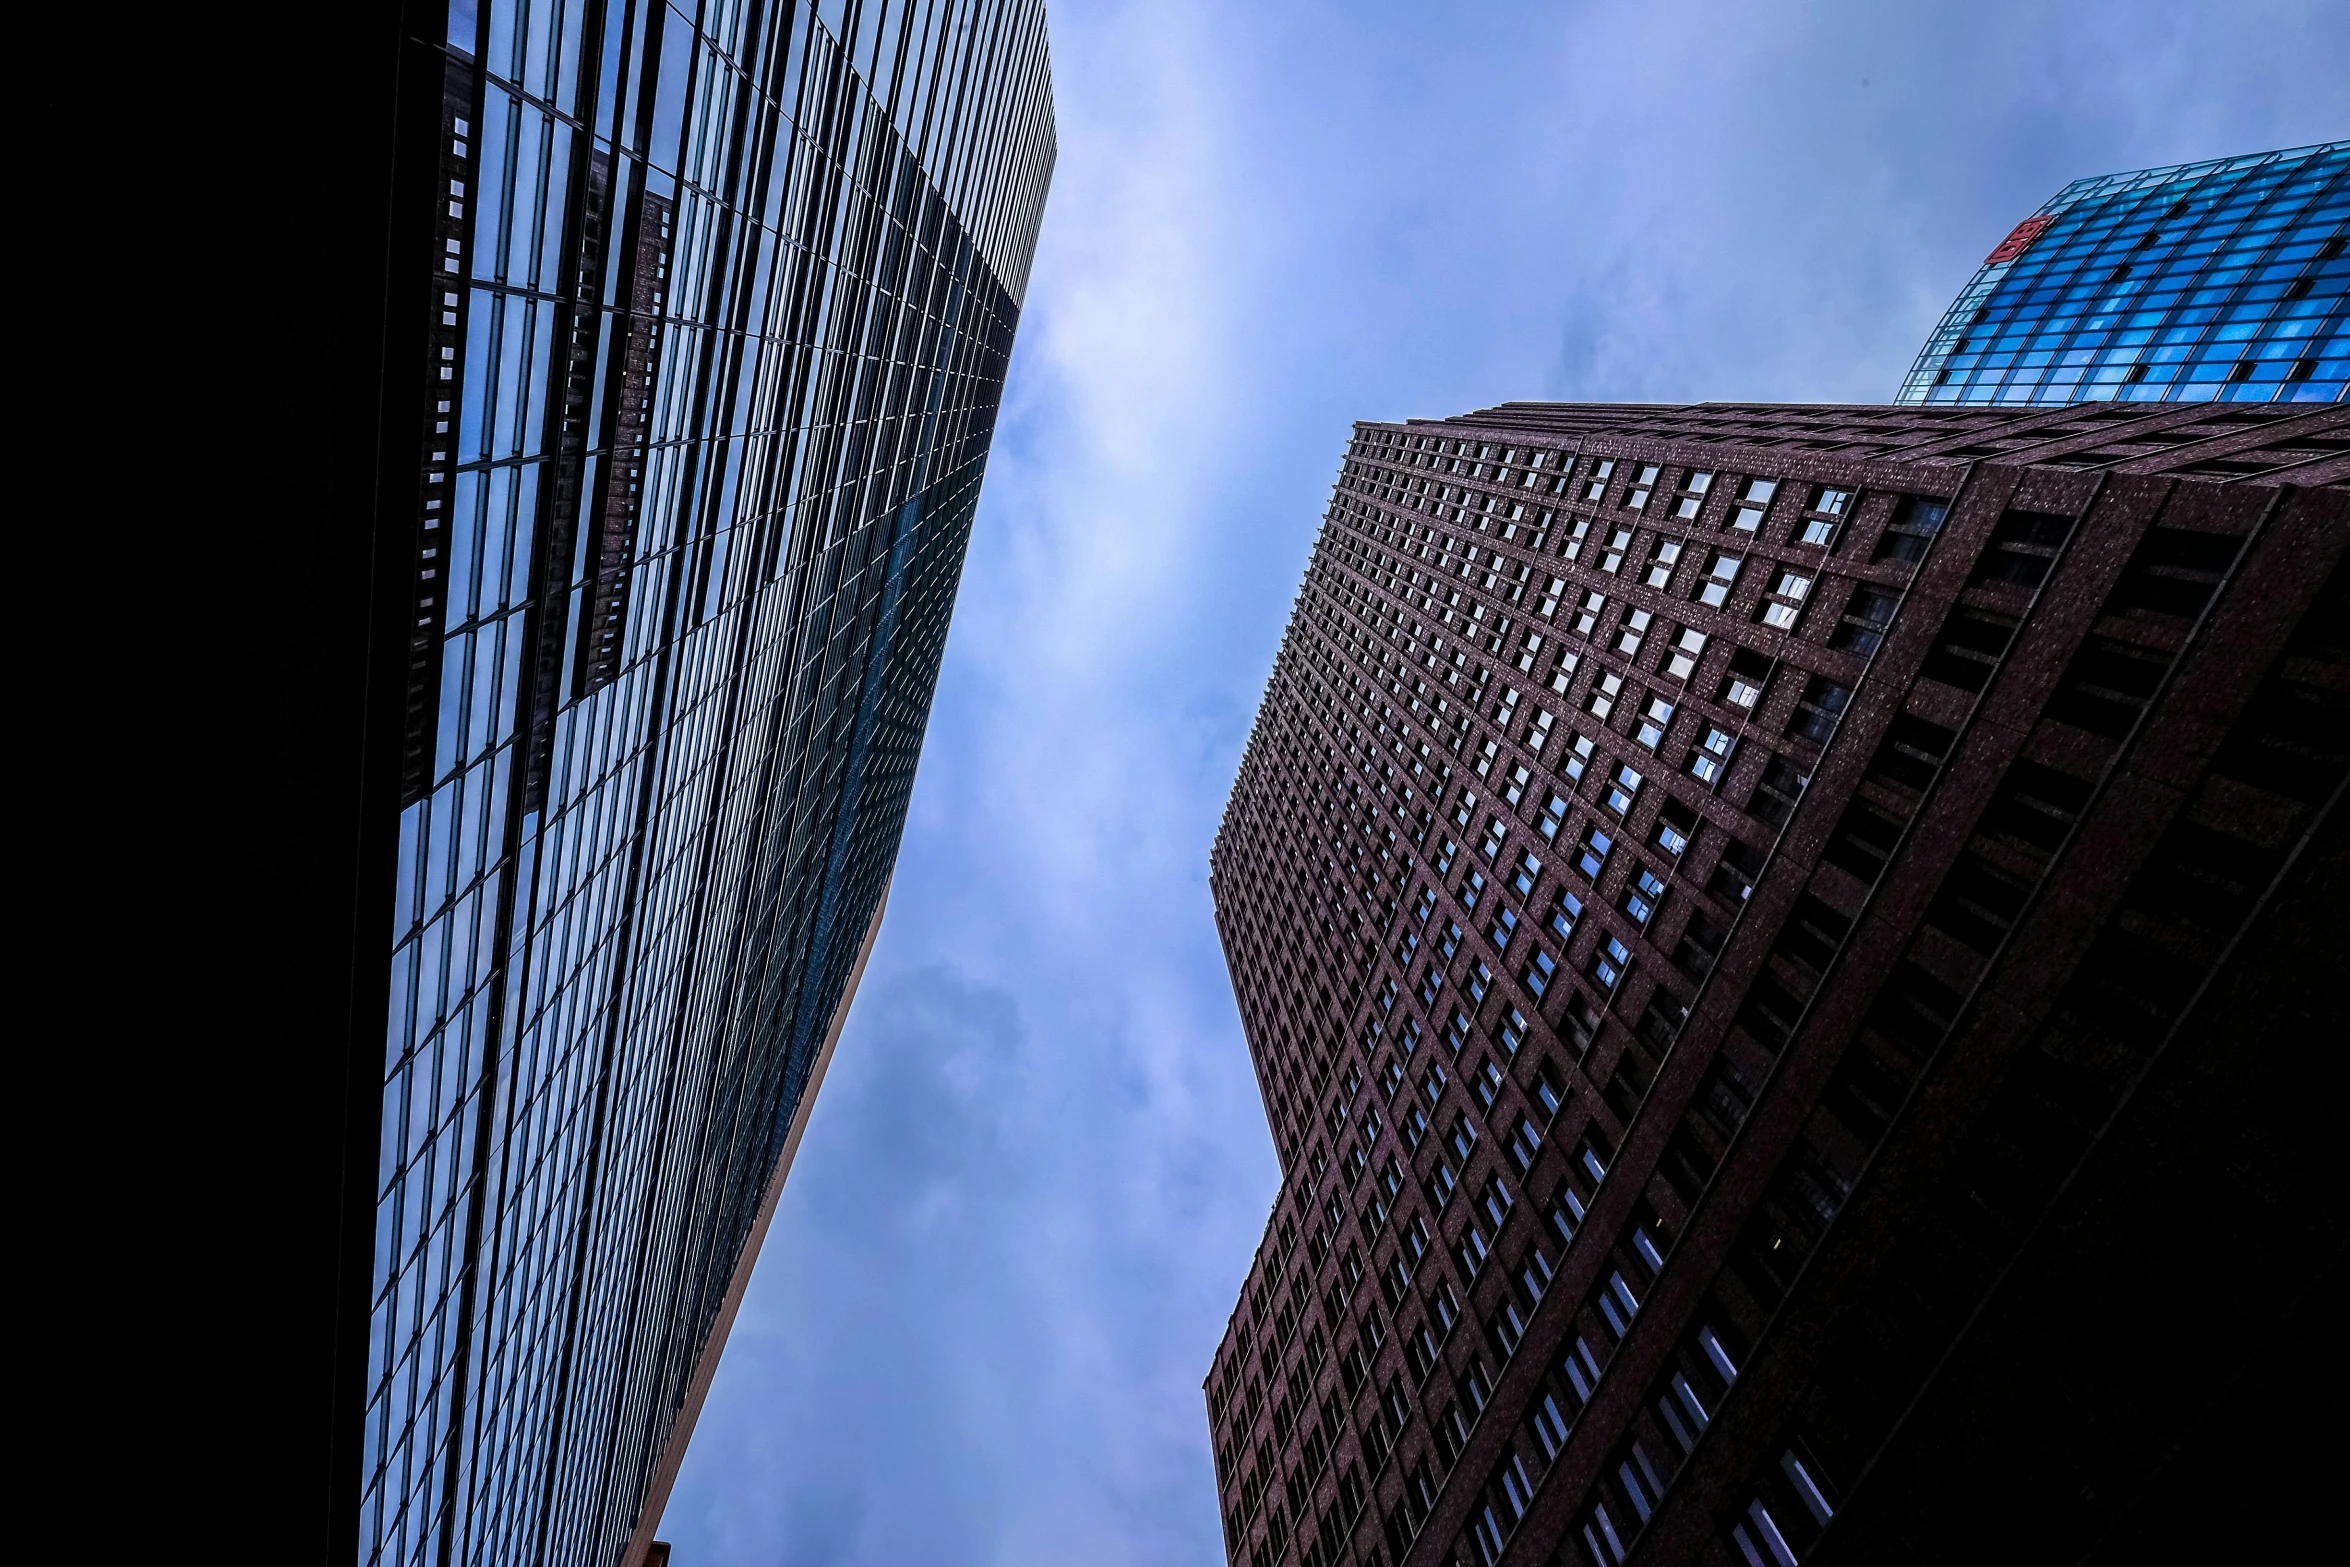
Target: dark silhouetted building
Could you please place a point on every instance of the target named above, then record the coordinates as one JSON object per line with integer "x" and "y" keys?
{"x": 2224, "y": 281}
{"x": 634, "y": 568}
{"x": 1794, "y": 956}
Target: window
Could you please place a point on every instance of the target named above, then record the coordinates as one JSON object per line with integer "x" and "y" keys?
{"x": 1655, "y": 718}
{"x": 1783, "y": 605}
{"x": 1495, "y": 1200}
{"x": 2023, "y": 547}
{"x": 1547, "y": 1091}
{"x": 1540, "y": 968}
{"x": 1609, "y": 963}
{"x": 1431, "y": 983}
{"x": 1862, "y": 628}
{"x": 1577, "y": 757}
{"x": 1513, "y": 1029}
{"x": 1390, "y": 1076}
{"x": 1636, "y": 493}
{"x": 1636, "y": 623}
{"x": 1749, "y": 673}
{"x": 1825, "y": 513}
{"x": 1554, "y": 816}
{"x": 1660, "y": 562}
{"x": 1495, "y": 831}
{"x": 1479, "y": 981}
{"x": 1536, "y": 737}
{"x": 1487, "y": 1082}
{"x": 1522, "y": 877}
{"x": 1602, "y": 699}
{"x": 1625, "y": 786}
{"x": 1505, "y": 925}
{"x": 1753, "y": 500}
{"x": 1587, "y": 615}
{"x": 1426, "y": 905}
{"x": 1777, "y": 791}
{"x": 1618, "y": 543}
{"x": 1450, "y": 941}
{"x": 1681, "y": 658}
{"x": 1736, "y": 873}
{"x": 1441, "y": 1185}
{"x": 1445, "y": 851}
{"x": 1569, "y": 908}
{"x": 1645, "y": 893}
{"x": 1676, "y": 824}
{"x": 1463, "y": 1137}
{"x": 1472, "y": 888}
{"x": 1591, "y": 854}
{"x": 1819, "y": 710}
{"x": 1912, "y": 529}
{"x": 1693, "y": 494}
{"x": 1563, "y": 672}
{"x": 1518, "y": 780}
{"x": 1456, "y": 1032}
{"x": 1714, "y": 587}
{"x": 1432, "y": 1083}
{"x": 1525, "y": 1142}
{"x": 1598, "y": 476}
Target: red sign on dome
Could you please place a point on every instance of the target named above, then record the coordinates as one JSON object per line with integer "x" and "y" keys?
{"x": 2019, "y": 239}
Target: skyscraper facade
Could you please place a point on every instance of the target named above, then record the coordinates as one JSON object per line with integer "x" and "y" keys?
{"x": 699, "y": 330}
{"x": 1794, "y": 957}
{"x": 2224, "y": 281}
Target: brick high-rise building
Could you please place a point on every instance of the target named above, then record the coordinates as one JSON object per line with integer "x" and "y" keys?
{"x": 1793, "y": 956}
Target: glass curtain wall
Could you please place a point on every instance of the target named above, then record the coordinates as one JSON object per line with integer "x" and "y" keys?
{"x": 2220, "y": 281}
{"x": 723, "y": 297}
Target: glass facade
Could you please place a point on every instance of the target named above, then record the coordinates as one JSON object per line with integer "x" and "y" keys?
{"x": 722, "y": 298}
{"x": 2221, "y": 281}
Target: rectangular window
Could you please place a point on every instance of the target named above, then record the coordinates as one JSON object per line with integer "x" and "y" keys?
{"x": 1654, "y": 720}
{"x": 1753, "y": 501}
{"x": 1819, "y": 710}
{"x": 1540, "y": 969}
{"x": 1783, "y": 605}
{"x": 1591, "y": 854}
{"x": 1597, "y": 478}
{"x": 1609, "y": 963}
{"x": 1625, "y": 786}
{"x": 1720, "y": 574}
{"x": 1824, "y": 514}
{"x": 1681, "y": 658}
{"x": 1601, "y": 701}
{"x": 1660, "y": 563}
{"x": 1569, "y": 908}
{"x": 1693, "y": 494}
{"x": 1866, "y": 617}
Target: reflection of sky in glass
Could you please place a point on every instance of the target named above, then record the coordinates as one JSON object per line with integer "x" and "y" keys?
{"x": 724, "y": 319}
{"x": 2205, "y": 281}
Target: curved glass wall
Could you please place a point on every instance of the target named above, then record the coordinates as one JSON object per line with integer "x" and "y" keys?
{"x": 2205, "y": 281}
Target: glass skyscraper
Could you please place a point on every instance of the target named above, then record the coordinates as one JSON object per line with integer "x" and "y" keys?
{"x": 2220, "y": 281}
{"x": 707, "y": 317}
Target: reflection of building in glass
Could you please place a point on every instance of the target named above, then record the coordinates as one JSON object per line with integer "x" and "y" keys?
{"x": 706, "y": 374}
{"x": 2208, "y": 281}
{"x": 1760, "y": 930}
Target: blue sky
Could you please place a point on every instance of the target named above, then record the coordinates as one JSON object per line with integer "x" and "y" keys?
{"x": 1035, "y": 1176}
